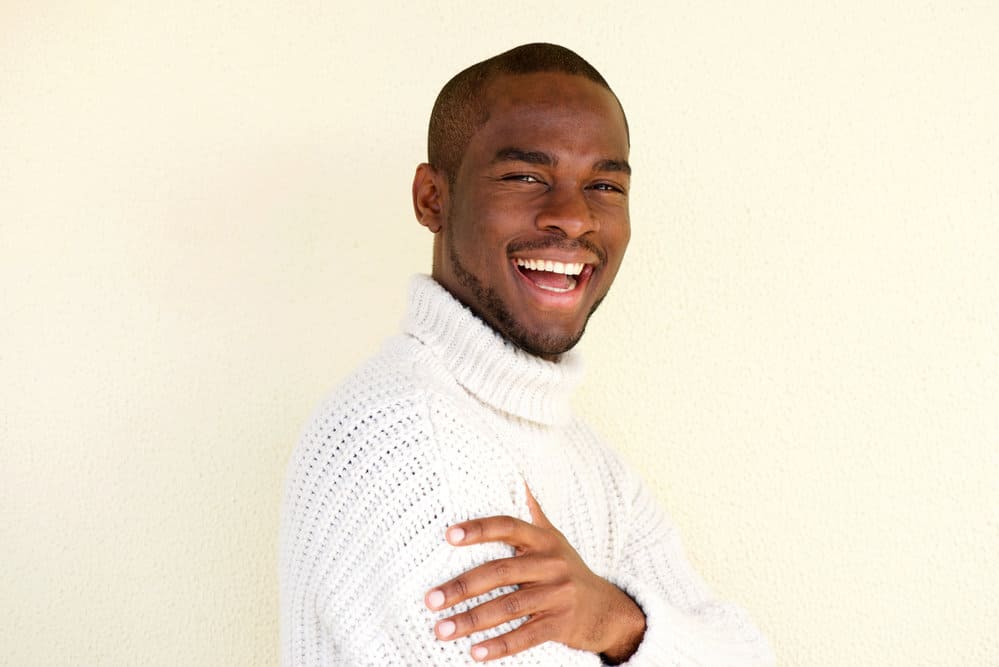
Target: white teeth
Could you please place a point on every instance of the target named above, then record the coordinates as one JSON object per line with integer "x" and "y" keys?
{"x": 568, "y": 268}
{"x": 572, "y": 286}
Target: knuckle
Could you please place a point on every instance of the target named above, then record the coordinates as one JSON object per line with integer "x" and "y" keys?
{"x": 533, "y": 634}
{"x": 461, "y": 587}
{"x": 501, "y": 569}
{"x": 512, "y": 605}
{"x": 472, "y": 618}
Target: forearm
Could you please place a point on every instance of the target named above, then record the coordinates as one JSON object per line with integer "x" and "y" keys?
{"x": 685, "y": 623}
{"x": 713, "y": 633}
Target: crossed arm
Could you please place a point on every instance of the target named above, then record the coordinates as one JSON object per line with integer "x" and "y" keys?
{"x": 363, "y": 562}
{"x": 564, "y": 600}
{"x": 569, "y": 604}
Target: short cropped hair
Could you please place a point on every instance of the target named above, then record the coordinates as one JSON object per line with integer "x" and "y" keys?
{"x": 460, "y": 109}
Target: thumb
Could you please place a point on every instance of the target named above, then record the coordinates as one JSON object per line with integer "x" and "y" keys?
{"x": 538, "y": 517}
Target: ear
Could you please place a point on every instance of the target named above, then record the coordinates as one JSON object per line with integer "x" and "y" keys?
{"x": 429, "y": 197}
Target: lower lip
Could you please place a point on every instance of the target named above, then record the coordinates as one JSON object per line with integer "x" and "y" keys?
{"x": 561, "y": 300}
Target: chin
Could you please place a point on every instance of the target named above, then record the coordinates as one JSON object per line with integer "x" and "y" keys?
{"x": 536, "y": 332}
{"x": 545, "y": 336}
{"x": 547, "y": 344}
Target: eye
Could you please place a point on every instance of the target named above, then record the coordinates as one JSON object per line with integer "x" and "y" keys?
{"x": 607, "y": 187}
{"x": 522, "y": 178}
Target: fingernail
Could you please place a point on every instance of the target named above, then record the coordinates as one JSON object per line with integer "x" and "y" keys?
{"x": 446, "y": 628}
{"x": 455, "y": 535}
{"x": 480, "y": 652}
{"x": 435, "y": 599}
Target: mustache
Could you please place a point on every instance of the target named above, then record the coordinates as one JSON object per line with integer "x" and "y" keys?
{"x": 560, "y": 244}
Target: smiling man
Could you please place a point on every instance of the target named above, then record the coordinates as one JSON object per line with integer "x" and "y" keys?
{"x": 445, "y": 505}
{"x": 533, "y": 214}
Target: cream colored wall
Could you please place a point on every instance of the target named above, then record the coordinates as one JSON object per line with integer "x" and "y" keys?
{"x": 204, "y": 223}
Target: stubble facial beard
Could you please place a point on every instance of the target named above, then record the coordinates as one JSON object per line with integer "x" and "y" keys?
{"x": 541, "y": 344}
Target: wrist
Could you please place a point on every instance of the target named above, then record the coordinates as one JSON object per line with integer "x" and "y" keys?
{"x": 627, "y": 628}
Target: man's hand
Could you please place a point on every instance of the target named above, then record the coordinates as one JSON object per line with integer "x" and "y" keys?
{"x": 565, "y": 600}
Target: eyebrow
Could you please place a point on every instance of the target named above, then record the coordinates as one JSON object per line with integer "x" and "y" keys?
{"x": 511, "y": 154}
{"x": 519, "y": 155}
{"x": 613, "y": 165}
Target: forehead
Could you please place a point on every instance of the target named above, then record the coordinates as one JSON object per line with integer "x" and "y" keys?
{"x": 552, "y": 109}
{"x": 511, "y": 90}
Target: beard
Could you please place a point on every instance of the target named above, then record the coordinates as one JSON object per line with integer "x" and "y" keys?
{"x": 489, "y": 307}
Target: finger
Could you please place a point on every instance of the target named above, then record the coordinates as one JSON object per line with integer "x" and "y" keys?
{"x": 537, "y": 515}
{"x": 518, "y": 534}
{"x": 514, "y": 571}
{"x": 520, "y": 603}
{"x": 532, "y": 633}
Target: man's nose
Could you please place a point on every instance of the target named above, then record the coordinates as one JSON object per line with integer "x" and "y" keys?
{"x": 569, "y": 211}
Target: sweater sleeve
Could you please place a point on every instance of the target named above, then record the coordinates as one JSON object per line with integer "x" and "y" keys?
{"x": 367, "y": 502}
{"x": 685, "y": 625}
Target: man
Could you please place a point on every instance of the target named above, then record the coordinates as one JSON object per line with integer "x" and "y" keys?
{"x": 444, "y": 505}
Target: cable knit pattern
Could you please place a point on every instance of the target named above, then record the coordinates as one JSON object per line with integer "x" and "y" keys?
{"x": 446, "y": 424}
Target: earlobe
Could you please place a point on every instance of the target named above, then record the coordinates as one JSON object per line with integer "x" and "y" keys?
{"x": 428, "y": 197}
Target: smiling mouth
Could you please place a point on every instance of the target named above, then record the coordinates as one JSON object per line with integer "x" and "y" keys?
{"x": 553, "y": 276}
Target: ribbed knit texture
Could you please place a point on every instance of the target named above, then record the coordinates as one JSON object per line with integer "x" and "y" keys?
{"x": 446, "y": 424}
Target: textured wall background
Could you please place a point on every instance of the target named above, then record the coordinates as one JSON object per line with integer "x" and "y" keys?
{"x": 205, "y": 222}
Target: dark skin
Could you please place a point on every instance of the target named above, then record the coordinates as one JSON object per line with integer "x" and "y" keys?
{"x": 565, "y": 600}
{"x": 545, "y": 178}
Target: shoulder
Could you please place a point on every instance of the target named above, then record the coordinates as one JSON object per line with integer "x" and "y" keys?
{"x": 378, "y": 414}
{"x": 366, "y": 457}
{"x": 372, "y": 483}
{"x": 400, "y": 421}
{"x": 391, "y": 389}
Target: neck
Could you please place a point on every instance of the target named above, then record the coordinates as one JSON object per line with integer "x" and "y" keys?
{"x": 485, "y": 363}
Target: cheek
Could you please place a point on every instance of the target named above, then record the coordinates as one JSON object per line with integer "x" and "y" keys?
{"x": 618, "y": 234}
{"x": 477, "y": 245}
{"x": 616, "y": 245}
{"x": 490, "y": 229}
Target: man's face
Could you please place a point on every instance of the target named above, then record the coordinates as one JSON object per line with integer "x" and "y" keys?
{"x": 536, "y": 224}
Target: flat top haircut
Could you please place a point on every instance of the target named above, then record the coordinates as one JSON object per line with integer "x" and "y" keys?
{"x": 461, "y": 108}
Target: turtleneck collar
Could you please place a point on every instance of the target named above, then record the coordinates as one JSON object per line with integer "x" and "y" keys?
{"x": 496, "y": 371}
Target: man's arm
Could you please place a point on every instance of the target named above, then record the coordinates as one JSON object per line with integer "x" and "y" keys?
{"x": 565, "y": 600}
{"x": 368, "y": 499}
{"x": 658, "y": 605}
{"x": 686, "y": 624}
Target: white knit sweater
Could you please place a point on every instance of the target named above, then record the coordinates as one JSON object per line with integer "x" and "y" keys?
{"x": 446, "y": 424}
